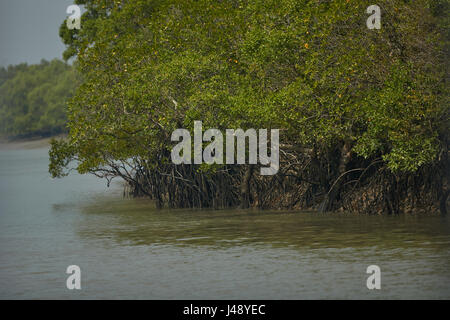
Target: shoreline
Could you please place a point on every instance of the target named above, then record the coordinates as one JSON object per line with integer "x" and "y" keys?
{"x": 27, "y": 143}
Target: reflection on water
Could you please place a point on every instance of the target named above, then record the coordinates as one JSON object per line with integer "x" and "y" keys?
{"x": 127, "y": 249}
{"x": 136, "y": 222}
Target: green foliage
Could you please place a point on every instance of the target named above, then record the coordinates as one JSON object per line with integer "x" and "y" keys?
{"x": 32, "y": 98}
{"x": 310, "y": 68}
{"x": 61, "y": 154}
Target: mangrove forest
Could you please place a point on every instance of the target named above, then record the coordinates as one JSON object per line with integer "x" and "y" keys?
{"x": 362, "y": 113}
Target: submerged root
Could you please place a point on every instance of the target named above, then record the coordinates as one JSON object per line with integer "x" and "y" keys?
{"x": 311, "y": 182}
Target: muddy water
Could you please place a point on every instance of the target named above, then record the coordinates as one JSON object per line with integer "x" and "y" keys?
{"x": 127, "y": 249}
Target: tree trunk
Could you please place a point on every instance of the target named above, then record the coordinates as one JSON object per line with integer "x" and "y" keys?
{"x": 245, "y": 187}
{"x": 345, "y": 157}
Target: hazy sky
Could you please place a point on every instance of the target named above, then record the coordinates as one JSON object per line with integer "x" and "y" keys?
{"x": 29, "y": 30}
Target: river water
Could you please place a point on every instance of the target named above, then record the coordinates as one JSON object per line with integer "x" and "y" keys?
{"x": 126, "y": 249}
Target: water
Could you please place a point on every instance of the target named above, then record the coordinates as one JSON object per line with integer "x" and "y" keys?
{"x": 128, "y": 250}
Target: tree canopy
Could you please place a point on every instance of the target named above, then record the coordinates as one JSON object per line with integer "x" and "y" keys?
{"x": 33, "y": 97}
{"x": 310, "y": 68}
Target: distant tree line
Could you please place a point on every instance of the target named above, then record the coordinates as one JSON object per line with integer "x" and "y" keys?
{"x": 33, "y": 98}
